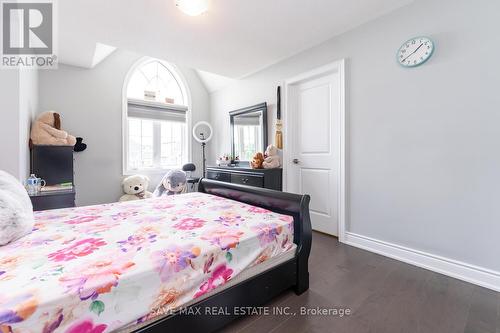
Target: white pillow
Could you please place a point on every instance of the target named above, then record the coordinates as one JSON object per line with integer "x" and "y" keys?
{"x": 16, "y": 211}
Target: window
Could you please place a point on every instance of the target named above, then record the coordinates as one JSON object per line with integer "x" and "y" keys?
{"x": 247, "y": 135}
{"x": 247, "y": 141}
{"x": 156, "y": 134}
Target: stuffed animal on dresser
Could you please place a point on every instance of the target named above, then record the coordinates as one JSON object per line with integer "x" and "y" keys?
{"x": 46, "y": 130}
{"x": 271, "y": 158}
{"x": 174, "y": 182}
{"x": 256, "y": 162}
{"x": 135, "y": 188}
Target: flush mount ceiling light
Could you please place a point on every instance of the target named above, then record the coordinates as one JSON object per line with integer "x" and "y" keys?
{"x": 192, "y": 7}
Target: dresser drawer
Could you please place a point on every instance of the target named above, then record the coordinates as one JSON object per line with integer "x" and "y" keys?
{"x": 250, "y": 180}
{"x": 244, "y": 175}
{"x": 218, "y": 175}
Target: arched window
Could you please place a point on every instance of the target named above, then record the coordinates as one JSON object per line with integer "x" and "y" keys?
{"x": 155, "y": 137}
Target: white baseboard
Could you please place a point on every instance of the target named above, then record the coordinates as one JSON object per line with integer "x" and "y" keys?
{"x": 460, "y": 270}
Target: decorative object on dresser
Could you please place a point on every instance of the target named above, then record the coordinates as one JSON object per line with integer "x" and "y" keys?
{"x": 244, "y": 175}
{"x": 202, "y": 132}
{"x": 279, "y": 126}
{"x": 271, "y": 158}
{"x": 257, "y": 161}
{"x": 248, "y": 131}
{"x": 227, "y": 160}
{"x": 55, "y": 165}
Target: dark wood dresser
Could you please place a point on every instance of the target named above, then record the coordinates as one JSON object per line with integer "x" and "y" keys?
{"x": 266, "y": 178}
{"x": 54, "y": 164}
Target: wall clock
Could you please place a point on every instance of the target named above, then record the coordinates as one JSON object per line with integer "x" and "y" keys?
{"x": 415, "y": 52}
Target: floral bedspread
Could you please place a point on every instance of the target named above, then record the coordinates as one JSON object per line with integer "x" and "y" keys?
{"x": 100, "y": 268}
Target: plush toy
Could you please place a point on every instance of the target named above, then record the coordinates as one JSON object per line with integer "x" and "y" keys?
{"x": 257, "y": 160}
{"x": 174, "y": 182}
{"x": 46, "y": 130}
{"x": 80, "y": 146}
{"x": 16, "y": 211}
{"x": 272, "y": 159}
{"x": 135, "y": 188}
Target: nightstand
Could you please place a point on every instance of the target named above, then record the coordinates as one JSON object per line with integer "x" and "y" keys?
{"x": 53, "y": 200}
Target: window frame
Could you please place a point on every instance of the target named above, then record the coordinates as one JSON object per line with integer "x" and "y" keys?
{"x": 125, "y": 130}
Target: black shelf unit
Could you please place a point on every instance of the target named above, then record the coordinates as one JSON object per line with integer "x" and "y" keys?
{"x": 55, "y": 165}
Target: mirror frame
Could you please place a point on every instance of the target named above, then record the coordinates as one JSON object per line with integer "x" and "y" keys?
{"x": 262, "y": 107}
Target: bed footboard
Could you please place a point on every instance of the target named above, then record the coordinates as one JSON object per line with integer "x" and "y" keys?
{"x": 280, "y": 202}
{"x": 293, "y": 273}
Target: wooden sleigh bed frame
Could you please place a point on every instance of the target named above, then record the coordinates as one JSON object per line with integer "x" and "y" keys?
{"x": 259, "y": 289}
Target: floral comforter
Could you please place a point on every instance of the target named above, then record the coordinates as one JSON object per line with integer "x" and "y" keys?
{"x": 100, "y": 268}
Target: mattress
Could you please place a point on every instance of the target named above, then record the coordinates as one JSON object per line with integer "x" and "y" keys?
{"x": 243, "y": 276}
{"x": 106, "y": 267}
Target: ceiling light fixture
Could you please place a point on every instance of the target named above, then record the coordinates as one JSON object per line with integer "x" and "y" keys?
{"x": 192, "y": 7}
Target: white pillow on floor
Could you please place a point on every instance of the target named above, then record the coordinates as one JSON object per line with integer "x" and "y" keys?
{"x": 16, "y": 211}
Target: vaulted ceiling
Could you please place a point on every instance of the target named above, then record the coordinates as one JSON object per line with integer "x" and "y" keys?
{"x": 234, "y": 38}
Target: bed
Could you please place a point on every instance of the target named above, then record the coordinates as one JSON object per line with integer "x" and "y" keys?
{"x": 176, "y": 263}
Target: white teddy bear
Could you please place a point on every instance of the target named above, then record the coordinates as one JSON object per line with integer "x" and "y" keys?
{"x": 135, "y": 188}
{"x": 272, "y": 159}
{"x": 16, "y": 211}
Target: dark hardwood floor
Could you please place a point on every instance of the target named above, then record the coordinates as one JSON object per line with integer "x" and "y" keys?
{"x": 384, "y": 295}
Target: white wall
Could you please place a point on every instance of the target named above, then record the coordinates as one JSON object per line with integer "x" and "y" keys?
{"x": 28, "y": 107}
{"x": 90, "y": 104}
{"x": 9, "y": 121}
{"x": 18, "y": 104}
{"x": 424, "y": 143}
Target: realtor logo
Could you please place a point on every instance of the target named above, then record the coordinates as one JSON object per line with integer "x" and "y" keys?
{"x": 28, "y": 34}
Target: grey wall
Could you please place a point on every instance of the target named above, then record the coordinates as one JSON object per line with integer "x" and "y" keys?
{"x": 424, "y": 143}
{"x": 90, "y": 104}
{"x": 18, "y": 104}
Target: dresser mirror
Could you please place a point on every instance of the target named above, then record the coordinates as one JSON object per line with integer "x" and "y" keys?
{"x": 248, "y": 131}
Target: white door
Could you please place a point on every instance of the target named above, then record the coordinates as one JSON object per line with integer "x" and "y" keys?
{"x": 313, "y": 158}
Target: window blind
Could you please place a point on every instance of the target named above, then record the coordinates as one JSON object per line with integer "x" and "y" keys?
{"x": 251, "y": 120}
{"x": 151, "y": 110}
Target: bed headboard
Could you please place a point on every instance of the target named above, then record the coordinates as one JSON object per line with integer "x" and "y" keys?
{"x": 280, "y": 202}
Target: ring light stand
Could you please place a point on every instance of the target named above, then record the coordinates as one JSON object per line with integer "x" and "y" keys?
{"x": 202, "y": 138}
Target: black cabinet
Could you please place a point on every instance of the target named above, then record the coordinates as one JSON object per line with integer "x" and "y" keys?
{"x": 54, "y": 164}
{"x": 266, "y": 178}
{"x": 53, "y": 200}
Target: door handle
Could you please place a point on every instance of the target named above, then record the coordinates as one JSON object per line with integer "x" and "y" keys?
{"x": 295, "y": 161}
